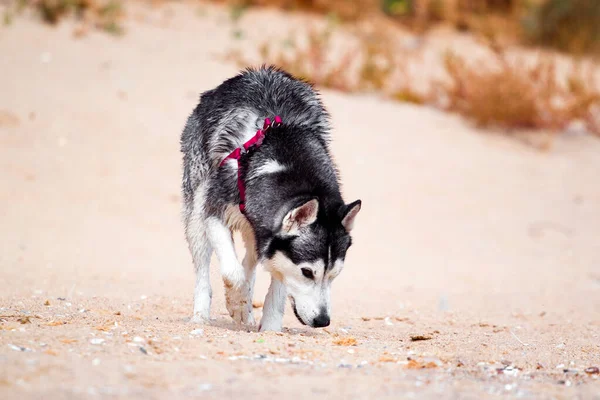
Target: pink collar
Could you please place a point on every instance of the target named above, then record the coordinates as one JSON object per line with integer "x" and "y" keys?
{"x": 254, "y": 142}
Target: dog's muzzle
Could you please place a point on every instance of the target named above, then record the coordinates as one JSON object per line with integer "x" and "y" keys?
{"x": 296, "y": 310}
{"x": 321, "y": 321}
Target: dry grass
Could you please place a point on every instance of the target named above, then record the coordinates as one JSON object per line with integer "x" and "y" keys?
{"x": 509, "y": 92}
{"x": 420, "y": 15}
{"x": 360, "y": 62}
{"x": 105, "y": 15}
{"x": 513, "y": 93}
{"x": 317, "y": 65}
{"x": 347, "y": 10}
{"x": 426, "y": 11}
{"x": 568, "y": 25}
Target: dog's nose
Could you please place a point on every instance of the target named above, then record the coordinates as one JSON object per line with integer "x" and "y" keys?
{"x": 321, "y": 321}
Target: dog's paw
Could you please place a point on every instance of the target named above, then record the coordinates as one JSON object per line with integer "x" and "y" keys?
{"x": 269, "y": 326}
{"x": 239, "y": 310}
{"x": 200, "y": 319}
{"x": 239, "y": 303}
{"x": 246, "y": 316}
{"x": 250, "y": 319}
{"x": 242, "y": 317}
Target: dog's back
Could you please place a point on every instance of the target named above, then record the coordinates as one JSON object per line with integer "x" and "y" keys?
{"x": 230, "y": 114}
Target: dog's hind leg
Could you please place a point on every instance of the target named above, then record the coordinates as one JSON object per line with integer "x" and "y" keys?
{"x": 201, "y": 250}
{"x": 274, "y": 307}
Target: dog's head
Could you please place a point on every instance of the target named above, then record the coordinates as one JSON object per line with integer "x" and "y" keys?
{"x": 307, "y": 253}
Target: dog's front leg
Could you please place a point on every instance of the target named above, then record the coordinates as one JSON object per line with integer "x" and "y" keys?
{"x": 221, "y": 240}
{"x": 237, "y": 279}
{"x": 274, "y": 307}
{"x": 239, "y": 301}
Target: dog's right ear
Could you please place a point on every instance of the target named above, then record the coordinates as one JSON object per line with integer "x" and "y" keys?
{"x": 300, "y": 217}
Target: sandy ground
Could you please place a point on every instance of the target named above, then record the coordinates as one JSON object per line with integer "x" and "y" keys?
{"x": 489, "y": 248}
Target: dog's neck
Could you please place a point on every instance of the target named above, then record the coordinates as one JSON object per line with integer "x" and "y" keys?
{"x": 251, "y": 145}
{"x": 291, "y": 165}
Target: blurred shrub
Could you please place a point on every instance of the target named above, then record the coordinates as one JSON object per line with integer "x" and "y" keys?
{"x": 345, "y": 9}
{"x": 105, "y": 15}
{"x": 513, "y": 94}
{"x": 441, "y": 9}
{"x": 498, "y": 91}
{"x": 397, "y": 7}
{"x": 357, "y": 8}
{"x": 568, "y": 25}
{"x": 571, "y": 25}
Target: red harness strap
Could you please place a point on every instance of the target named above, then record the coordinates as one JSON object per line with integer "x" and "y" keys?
{"x": 254, "y": 142}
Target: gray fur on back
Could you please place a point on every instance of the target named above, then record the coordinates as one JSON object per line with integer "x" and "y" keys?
{"x": 230, "y": 114}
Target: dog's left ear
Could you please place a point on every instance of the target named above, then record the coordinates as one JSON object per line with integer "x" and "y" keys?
{"x": 300, "y": 217}
{"x": 349, "y": 212}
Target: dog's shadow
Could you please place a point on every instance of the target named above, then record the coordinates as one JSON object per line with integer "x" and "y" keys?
{"x": 229, "y": 325}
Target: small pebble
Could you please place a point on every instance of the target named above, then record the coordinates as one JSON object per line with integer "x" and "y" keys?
{"x": 129, "y": 370}
{"x": 18, "y": 348}
{"x": 197, "y": 332}
{"x": 96, "y": 341}
{"x": 592, "y": 371}
{"x": 204, "y": 387}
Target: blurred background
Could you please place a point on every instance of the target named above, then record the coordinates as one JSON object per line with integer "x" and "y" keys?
{"x": 469, "y": 129}
{"x": 450, "y": 54}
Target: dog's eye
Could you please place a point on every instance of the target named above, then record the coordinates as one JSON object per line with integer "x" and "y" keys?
{"x": 308, "y": 273}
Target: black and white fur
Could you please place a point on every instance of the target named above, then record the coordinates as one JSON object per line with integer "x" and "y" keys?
{"x": 296, "y": 223}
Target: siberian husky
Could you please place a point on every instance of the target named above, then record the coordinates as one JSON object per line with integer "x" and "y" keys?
{"x": 256, "y": 160}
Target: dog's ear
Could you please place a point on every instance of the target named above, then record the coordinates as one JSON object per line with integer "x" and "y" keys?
{"x": 349, "y": 212}
{"x": 300, "y": 217}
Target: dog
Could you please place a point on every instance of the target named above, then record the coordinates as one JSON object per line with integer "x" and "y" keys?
{"x": 256, "y": 160}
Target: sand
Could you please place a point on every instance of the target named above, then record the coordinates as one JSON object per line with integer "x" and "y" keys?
{"x": 486, "y": 247}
